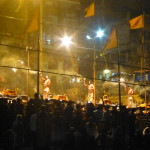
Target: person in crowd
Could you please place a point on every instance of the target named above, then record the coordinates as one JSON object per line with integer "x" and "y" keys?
{"x": 115, "y": 137}
{"x": 91, "y": 129}
{"x": 90, "y": 110}
{"x": 146, "y": 137}
{"x": 33, "y": 129}
{"x": 98, "y": 113}
{"x": 68, "y": 111}
{"x": 131, "y": 128}
{"x": 18, "y": 128}
{"x": 45, "y": 124}
{"x": 106, "y": 119}
{"x": 124, "y": 118}
{"x": 42, "y": 129}
{"x": 77, "y": 117}
{"x": 59, "y": 127}
{"x": 115, "y": 116}
{"x": 19, "y": 106}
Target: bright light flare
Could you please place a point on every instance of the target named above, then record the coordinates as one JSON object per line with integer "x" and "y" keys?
{"x": 106, "y": 71}
{"x": 66, "y": 41}
{"x": 73, "y": 80}
{"x": 78, "y": 80}
{"x": 122, "y": 80}
{"x": 49, "y": 41}
{"x": 14, "y": 69}
{"x": 20, "y": 61}
{"x": 88, "y": 37}
{"x": 99, "y": 33}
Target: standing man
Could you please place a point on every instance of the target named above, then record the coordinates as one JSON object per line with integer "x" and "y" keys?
{"x": 46, "y": 83}
{"x": 90, "y": 91}
{"x": 129, "y": 90}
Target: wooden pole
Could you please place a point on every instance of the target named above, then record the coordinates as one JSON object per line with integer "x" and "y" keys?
{"x": 28, "y": 59}
{"x": 94, "y": 65}
{"x": 40, "y": 43}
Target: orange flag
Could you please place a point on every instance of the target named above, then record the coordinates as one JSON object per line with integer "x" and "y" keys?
{"x": 90, "y": 11}
{"x": 34, "y": 25}
{"x": 136, "y": 22}
{"x": 112, "y": 41}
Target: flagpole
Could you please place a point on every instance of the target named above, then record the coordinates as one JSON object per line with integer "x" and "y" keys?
{"x": 94, "y": 73}
{"x": 143, "y": 55}
{"x": 118, "y": 67}
{"x": 143, "y": 50}
{"x": 28, "y": 58}
{"x": 90, "y": 11}
{"x": 142, "y": 58}
{"x": 94, "y": 64}
{"x": 40, "y": 44}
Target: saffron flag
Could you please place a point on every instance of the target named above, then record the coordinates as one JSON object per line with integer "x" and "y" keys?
{"x": 90, "y": 11}
{"x": 112, "y": 41}
{"x": 34, "y": 25}
{"x": 136, "y": 22}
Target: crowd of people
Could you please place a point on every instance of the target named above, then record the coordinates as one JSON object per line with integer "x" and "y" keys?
{"x": 43, "y": 124}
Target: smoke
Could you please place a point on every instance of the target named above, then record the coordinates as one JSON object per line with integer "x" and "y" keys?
{"x": 9, "y": 61}
{"x": 141, "y": 90}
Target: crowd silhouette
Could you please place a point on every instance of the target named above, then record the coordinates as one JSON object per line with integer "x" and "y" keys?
{"x": 47, "y": 125}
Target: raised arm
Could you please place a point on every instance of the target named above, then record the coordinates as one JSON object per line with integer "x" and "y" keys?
{"x": 42, "y": 76}
{"x": 84, "y": 82}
